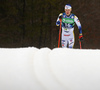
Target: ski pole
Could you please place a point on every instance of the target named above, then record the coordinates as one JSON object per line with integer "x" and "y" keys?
{"x": 80, "y": 45}
{"x": 59, "y": 34}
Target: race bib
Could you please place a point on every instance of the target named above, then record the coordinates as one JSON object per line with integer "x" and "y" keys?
{"x": 68, "y": 20}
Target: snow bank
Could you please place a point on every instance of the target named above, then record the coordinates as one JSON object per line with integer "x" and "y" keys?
{"x": 46, "y": 69}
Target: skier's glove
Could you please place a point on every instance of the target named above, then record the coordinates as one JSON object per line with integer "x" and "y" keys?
{"x": 81, "y": 37}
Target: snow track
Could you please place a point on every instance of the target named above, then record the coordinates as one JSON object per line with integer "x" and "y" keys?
{"x": 46, "y": 69}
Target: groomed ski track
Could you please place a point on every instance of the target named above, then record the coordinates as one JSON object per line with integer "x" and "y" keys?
{"x": 45, "y": 69}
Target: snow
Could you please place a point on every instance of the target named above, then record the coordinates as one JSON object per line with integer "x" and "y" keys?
{"x": 45, "y": 69}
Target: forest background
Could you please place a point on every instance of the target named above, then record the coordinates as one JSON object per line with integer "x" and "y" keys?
{"x": 26, "y": 23}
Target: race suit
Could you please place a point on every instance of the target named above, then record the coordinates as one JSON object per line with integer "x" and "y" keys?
{"x": 68, "y": 22}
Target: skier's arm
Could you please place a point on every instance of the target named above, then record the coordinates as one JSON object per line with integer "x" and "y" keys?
{"x": 79, "y": 27}
{"x": 58, "y": 19}
{"x": 78, "y": 24}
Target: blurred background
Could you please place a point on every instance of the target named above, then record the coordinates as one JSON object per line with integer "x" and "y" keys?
{"x": 25, "y": 23}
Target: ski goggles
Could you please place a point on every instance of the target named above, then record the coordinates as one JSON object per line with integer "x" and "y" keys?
{"x": 68, "y": 7}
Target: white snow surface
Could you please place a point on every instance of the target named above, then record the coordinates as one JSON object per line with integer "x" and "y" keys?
{"x": 45, "y": 69}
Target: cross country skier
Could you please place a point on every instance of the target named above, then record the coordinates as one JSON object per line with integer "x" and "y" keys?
{"x": 68, "y": 22}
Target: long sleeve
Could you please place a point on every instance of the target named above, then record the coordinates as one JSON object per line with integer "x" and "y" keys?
{"x": 78, "y": 24}
{"x": 58, "y": 21}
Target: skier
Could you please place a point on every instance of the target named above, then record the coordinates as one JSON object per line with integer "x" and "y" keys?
{"x": 68, "y": 21}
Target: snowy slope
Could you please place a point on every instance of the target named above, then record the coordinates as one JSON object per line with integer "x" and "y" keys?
{"x": 46, "y": 69}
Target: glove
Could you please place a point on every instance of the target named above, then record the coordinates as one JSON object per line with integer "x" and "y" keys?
{"x": 81, "y": 37}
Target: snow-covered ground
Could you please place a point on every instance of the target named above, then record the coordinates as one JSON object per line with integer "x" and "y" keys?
{"x": 46, "y": 69}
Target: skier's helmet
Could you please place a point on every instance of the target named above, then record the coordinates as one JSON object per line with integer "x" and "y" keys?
{"x": 68, "y": 6}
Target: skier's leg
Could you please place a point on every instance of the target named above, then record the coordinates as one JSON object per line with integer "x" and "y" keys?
{"x": 71, "y": 43}
{"x": 64, "y": 39}
{"x": 71, "y": 40}
{"x": 64, "y": 43}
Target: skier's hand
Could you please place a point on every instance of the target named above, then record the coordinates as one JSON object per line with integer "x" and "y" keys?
{"x": 81, "y": 37}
